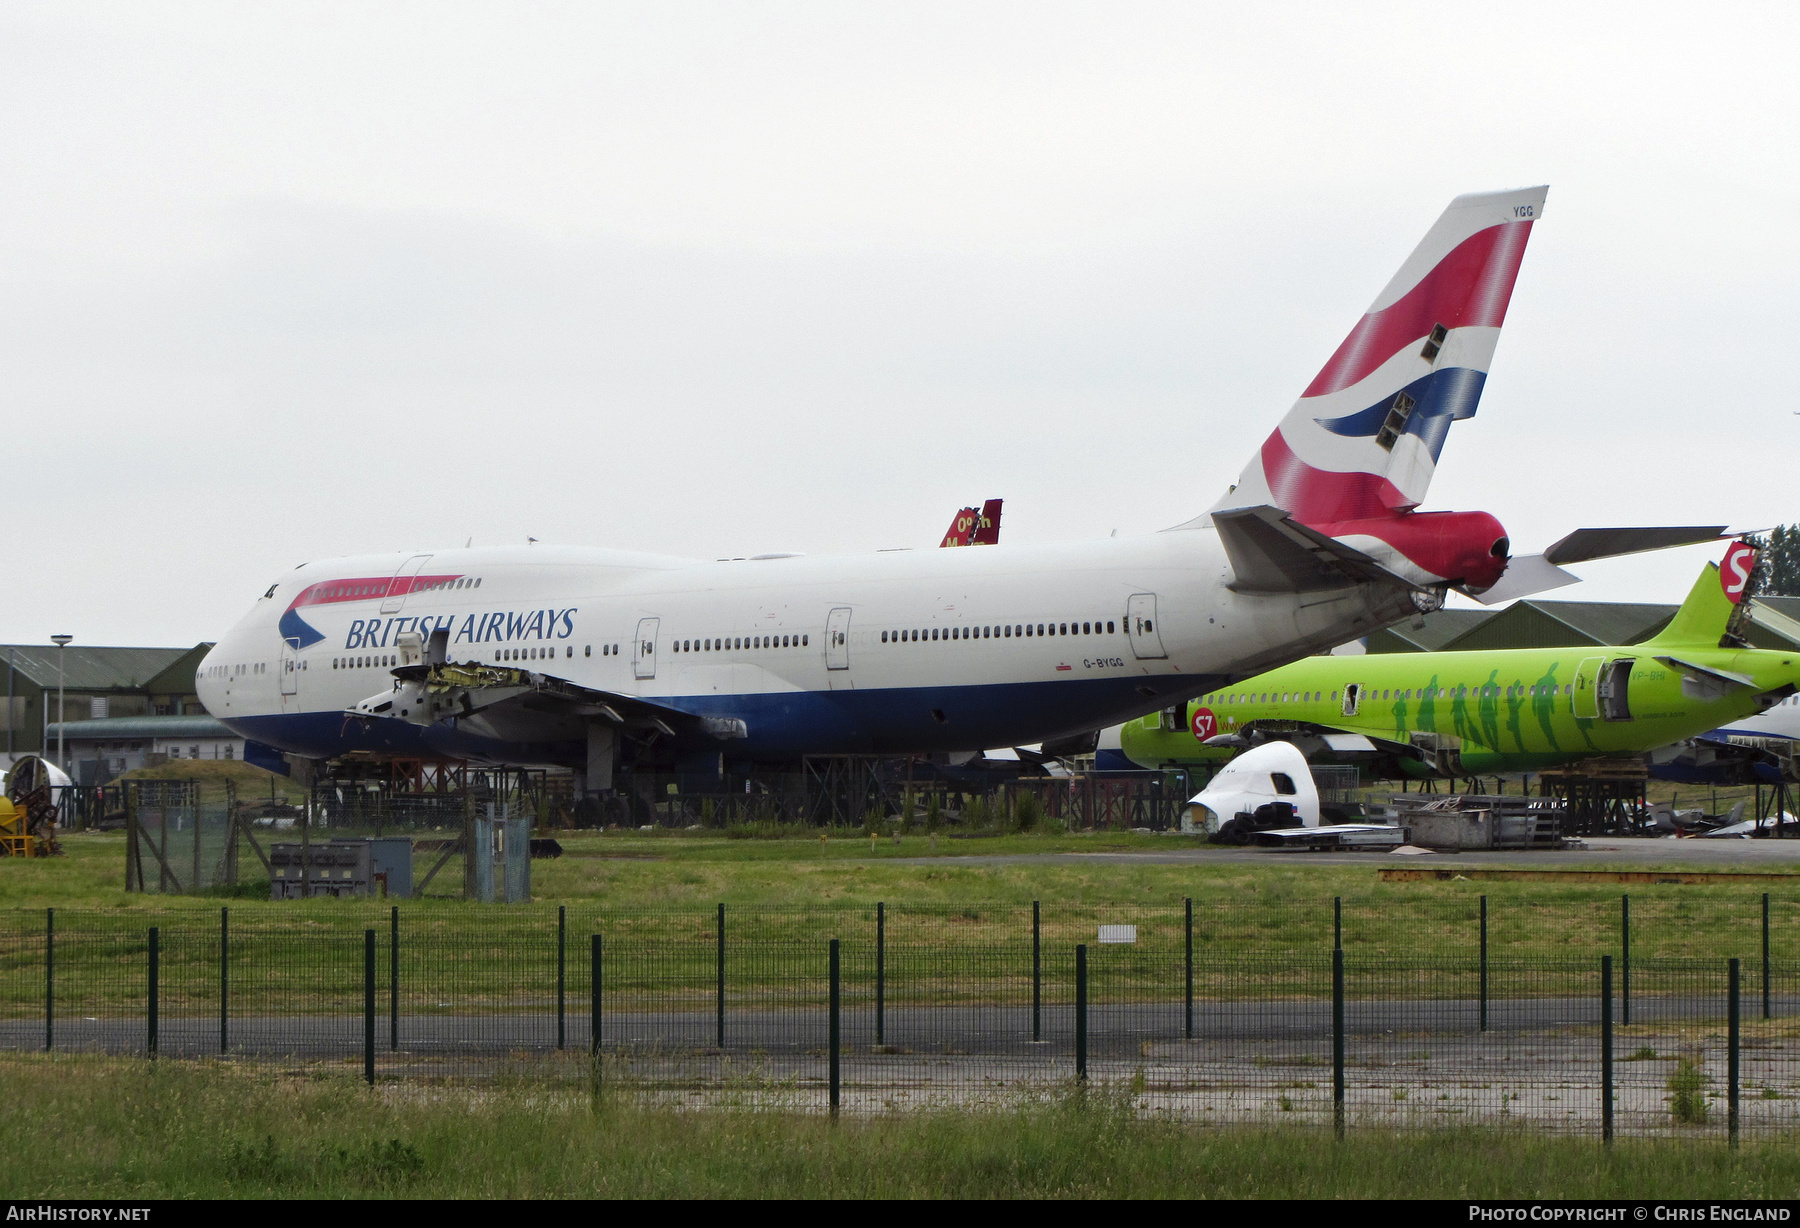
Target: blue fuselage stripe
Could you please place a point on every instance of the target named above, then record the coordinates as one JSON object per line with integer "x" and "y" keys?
{"x": 782, "y": 725}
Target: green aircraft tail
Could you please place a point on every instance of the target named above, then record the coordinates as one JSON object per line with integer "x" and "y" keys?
{"x": 1704, "y": 618}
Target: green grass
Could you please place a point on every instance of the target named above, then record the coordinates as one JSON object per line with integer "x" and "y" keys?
{"x": 103, "y": 1128}
{"x": 955, "y": 927}
{"x": 1278, "y": 904}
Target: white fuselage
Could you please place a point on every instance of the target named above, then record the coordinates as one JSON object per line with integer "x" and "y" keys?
{"x": 893, "y": 652}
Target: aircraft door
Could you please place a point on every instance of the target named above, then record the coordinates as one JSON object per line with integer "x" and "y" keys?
{"x": 837, "y": 639}
{"x": 1140, "y": 625}
{"x": 290, "y": 668}
{"x": 401, "y": 583}
{"x": 1613, "y": 690}
{"x": 643, "y": 649}
{"x": 1584, "y": 703}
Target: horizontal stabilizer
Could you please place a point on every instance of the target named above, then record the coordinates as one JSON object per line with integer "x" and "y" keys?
{"x": 1270, "y": 553}
{"x": 1525, "y": 574}
{"x": 1703, "y": 682}
{"x": 1585, "y": 544}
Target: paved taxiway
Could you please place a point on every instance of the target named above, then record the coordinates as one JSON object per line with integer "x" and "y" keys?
{"x": 1625, "y": 852}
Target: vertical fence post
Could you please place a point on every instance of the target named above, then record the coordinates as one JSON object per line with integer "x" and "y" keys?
{"x": 150, "y": 1020}
{"x": 394, "y": 976}
{"x": 1484, "y": 968}
{"x": 836, "y": 1028}
{"x": 1732, "y": 1069}
{"x": 1765, "y": 959}
{"x": 1337, "y": 922}
{"x": 1081, "y": 1004}
{"x": 880, "y": 973}
{"x": 719, "y": 1040}
{"x": 369, "y": 1006}
{"x": 594, "y": 1006}
{"x": 1188, "y": 962}
{"x": 1606, "y": 1049}
{"x": 1337, "y": 1040}
{"x": 562, "y": 969}
{"x": 1037, "y": 972}
{"x": 224, "y": 979}
{"x": 1625, "y": 960}
{"x": 49, "y": 979}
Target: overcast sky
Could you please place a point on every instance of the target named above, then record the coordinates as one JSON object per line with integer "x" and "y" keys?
{"x": 282, "y": 282}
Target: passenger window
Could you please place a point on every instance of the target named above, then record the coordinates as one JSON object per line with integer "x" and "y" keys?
{"x": 1087, "y": 628}
{"x": 805, "y": 641}
{"x": 586, "y": 651}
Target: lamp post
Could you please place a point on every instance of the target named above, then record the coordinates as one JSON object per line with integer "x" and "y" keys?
{"x": 61, "y": 642}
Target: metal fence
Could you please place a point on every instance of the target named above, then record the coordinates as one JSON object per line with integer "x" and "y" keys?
{"x": 880, "y": 1008}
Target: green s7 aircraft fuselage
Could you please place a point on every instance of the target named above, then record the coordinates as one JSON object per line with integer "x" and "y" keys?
{"x": 1511, "y": 710}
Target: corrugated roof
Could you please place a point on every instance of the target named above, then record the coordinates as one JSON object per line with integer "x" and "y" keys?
{"x": 111, "y": 727}
{"x": 1774, "y": 622}
{"x": 1566, "y": 624}
{"x": 1787, "y": 607}
{"x": 1441, "y": 626}
{"x": 91, "y": 668}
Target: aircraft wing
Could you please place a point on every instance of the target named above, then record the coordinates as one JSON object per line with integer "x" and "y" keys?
{"x": 521, "y": 704}
{"x": 1270, "y": 552}
{"x": 1333, "y": 836}
{"x": 1316, "y": 739}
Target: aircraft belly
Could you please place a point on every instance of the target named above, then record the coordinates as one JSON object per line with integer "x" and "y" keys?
{"x": 779, "y": 725}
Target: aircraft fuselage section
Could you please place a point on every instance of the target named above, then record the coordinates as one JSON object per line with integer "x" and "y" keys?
{"x": 894, "y": 652}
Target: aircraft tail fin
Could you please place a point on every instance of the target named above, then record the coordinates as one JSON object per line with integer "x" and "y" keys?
{"x": 987, "y": 527}
{"x": 971, "y": 527}
{"x": 1363, "y": 440}
{"x": 961, "y": 526}
{"x": 1711, "y": 610}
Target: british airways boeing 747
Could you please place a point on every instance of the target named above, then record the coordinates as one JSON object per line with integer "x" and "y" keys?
{"x": 583, "y": 656}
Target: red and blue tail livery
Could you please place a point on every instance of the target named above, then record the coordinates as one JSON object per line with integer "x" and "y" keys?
{"x": 1356, "y": 453}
